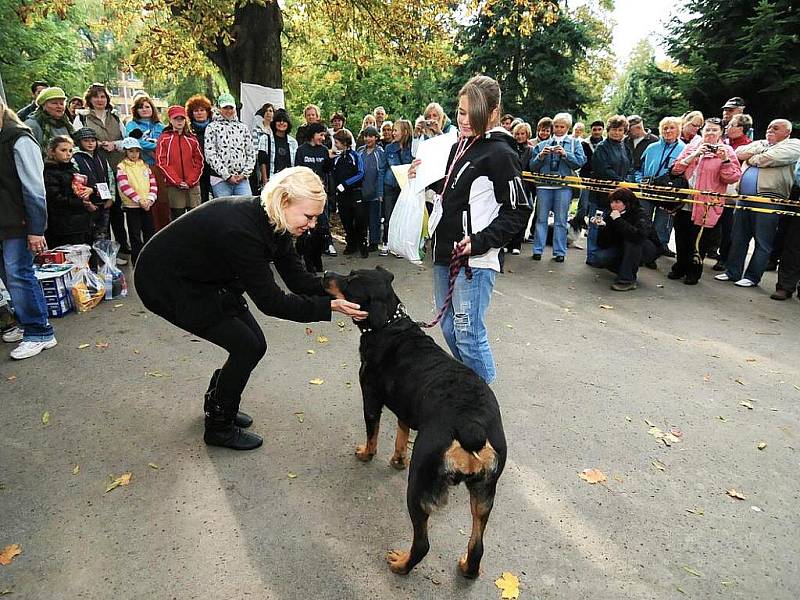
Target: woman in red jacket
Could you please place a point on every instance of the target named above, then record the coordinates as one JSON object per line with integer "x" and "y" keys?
{"x": 179, "y": 157}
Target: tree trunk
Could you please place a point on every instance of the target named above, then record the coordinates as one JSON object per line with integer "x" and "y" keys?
{"x": 255, "y": 54}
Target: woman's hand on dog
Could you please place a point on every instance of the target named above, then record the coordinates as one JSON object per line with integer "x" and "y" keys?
{"x": 348, "y": 308}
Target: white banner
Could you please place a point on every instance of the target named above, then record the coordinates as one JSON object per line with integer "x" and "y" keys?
{"x": 254, "y": 97}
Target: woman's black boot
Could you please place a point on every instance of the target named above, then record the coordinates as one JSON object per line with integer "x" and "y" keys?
{"x": 241, "y": 420}
{"x": 222, "y": 431}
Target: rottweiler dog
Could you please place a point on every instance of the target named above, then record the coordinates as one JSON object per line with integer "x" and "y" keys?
{"x": 459, "y": 429}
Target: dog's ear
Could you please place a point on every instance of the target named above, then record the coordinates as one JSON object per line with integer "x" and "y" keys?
{"x": 334, "y": 284}
{"x": 385, "y": 272}
{"x": 378, "y": 314}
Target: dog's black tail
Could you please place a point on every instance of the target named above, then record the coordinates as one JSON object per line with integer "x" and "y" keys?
{"x": 471, "y": 434}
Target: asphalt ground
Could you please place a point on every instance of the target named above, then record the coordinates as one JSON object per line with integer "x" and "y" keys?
{"x": 584, "y": 375}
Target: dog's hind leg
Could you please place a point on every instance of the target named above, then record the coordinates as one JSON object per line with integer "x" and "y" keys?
{"x": 401, "y": 562}
{"x": 399, "y": 459}
{"x": 481, "y": 500}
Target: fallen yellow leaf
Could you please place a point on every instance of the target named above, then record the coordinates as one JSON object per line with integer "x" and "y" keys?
{"x": 311, "y": 351}
{"x": 316, "y": 381}
{"x": 153, "y": 466}
{"x": 120, "y": 305}
{"x": 11, "y": 378}
{"x": 322, "y": 339}
{"x": 593, "y": 475}
{"x": 739, "y": 381}
{"x": 746, "y": 404}
{"x": 761, "y": 445}
{"x": 658, "y": 465}
{"x": 76, "y": 470}
{"x": 102, "y": 345}
{"x": 691, "y": 571}
{"x": 734, "y": 494}
{"x": 299, "y": 416}
{"x": 607, "y": 306}
{"x": 123, "y": 479}
{"x": 292, "y": 475}
{"x": 137, "y": 351}
{"x": 82, "y": 346}
{"x": 153, "y": 374}
{"x": 341, "y": 324}
{"x": 8, "y": 553}
{"x": 509, "y": 584}
{"x": 695, "y": 511}
{"x": 46, "y": 417}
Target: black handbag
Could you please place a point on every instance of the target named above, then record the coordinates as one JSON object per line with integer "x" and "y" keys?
{"x": 668, "y": 180}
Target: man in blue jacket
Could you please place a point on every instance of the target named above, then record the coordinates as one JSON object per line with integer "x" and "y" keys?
{"x": 23, "y": 219}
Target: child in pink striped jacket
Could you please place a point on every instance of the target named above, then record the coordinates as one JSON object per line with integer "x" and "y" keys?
{"x": 138, "y": 189}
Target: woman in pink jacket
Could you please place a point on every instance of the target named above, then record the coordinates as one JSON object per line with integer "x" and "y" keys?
{"x": 708, "y": 165}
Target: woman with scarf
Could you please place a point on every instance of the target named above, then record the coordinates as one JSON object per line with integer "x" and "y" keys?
{"x": 50, "y": 119}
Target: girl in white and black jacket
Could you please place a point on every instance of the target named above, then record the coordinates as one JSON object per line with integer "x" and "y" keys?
{"x": 481, "y": 207}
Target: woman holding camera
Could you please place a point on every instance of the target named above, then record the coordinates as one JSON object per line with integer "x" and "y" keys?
{"x": 559, "y": 155}
{"x": 709, "y": 166}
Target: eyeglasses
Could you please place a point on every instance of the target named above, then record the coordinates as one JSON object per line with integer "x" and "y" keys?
{"x": 714, "y": 121}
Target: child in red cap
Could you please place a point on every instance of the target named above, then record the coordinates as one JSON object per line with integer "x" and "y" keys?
{"x": 179, "y": 157}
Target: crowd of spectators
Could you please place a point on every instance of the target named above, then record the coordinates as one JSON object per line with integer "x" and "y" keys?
{"x": 75, "y": 171}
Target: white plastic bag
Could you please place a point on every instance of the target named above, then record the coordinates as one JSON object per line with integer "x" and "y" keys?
{"x": 112, "y": 277}
{"x": 407, "y": 226}
{"x": 88, "y": 290}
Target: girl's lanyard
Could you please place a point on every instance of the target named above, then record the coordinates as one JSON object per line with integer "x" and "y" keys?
{"x": 436, "y": 213}
{"x": 462, "y": 149}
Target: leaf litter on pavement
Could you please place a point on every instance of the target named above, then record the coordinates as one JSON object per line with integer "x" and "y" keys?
{"x": 509, "y": 584}
{"x": 123, "y": 479}
{"x": 593, "y": 476}
{"x": 8, "y": 554}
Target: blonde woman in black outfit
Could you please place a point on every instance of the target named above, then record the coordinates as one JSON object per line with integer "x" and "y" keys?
{"x": 195, "y": 272}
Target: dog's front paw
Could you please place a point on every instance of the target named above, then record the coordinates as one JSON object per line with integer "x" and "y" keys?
{"x": 464, "y": 569}
{"x": 363, "y": 454}
{"x": 399, "y": 461}
{"x": 398, "y": 561}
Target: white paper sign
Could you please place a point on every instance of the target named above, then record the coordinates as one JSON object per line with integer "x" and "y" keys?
{"x": 104, "y": 191}
{"x": 433, "y": 154}
{"x": 254, "y": 97}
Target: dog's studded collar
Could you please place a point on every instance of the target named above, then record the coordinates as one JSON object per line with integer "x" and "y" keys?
{"x": 399, "y": 313}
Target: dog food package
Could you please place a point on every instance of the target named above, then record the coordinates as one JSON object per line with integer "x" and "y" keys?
{"x": 88, "y": 290}
{"x": 408, "y": 226}
{"x": 112, "y": 277}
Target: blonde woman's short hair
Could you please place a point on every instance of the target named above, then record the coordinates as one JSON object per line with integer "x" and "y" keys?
{"x": 693, "y": 116}
{"x": 522, "y": 127}
{"x": 676, "y": 121}
{"x": 564, "y": 118}
{"x": 288, "y": 186}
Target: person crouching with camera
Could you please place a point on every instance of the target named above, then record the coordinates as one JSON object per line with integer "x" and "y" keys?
{"x": 626, "y": 239}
